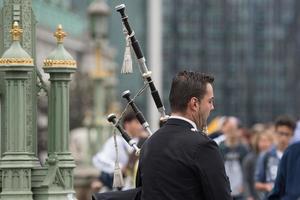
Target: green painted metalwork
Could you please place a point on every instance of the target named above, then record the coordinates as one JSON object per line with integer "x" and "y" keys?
{"x": 17, "y": 159}
{"x": 99, "y": 121}
{"x": 60, "y": 65}
{"x": 22, "y": 176}
{"x": 17, "y": 10}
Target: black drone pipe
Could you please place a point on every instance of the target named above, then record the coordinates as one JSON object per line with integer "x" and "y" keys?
{"x": 113, "y": 119}
{"x": 138, "y": 113}
{"x": 142, "y": 62}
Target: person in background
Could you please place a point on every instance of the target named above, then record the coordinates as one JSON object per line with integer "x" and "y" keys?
{"x": 267, "y": 164}
{"x": 245, "y": 135}
{"x": 287, "y": 181}
{"x": 104, "y": 160}
{"x": 217, "y": 135}
{"x": 233, "y": 152}
{"x": 261, "y": 141}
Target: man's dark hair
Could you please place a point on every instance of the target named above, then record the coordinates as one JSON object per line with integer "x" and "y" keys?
{"x": 285, "y": 120}
{"x": 128, "y": 116}
{"x": 185, "y": 85}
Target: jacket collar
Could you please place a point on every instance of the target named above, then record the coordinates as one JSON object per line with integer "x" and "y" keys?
{"x": 179, "y": 122}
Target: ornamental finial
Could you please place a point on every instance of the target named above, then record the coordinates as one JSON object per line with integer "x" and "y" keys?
{"x": 16, "y": 31}
{"x": 60, "y": 34}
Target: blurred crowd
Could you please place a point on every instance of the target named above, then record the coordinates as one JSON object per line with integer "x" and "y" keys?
{"x": 252, "y": 156}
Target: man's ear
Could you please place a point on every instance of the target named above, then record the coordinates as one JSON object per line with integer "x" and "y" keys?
{"x": 193, "y": 104}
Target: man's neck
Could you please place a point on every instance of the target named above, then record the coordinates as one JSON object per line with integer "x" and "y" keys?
{"x": 185, "y": 115}
{"x": 186, "y": 118}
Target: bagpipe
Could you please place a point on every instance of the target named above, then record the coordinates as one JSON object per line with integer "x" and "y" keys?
{"x": 133, "y": 43}
{"x": 146, "y": 74}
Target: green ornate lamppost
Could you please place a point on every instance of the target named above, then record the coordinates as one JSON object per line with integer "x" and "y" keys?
{"x": 21, "y": 173}
{"x": 18, "y": 158}
{"x": 98, "y": 13}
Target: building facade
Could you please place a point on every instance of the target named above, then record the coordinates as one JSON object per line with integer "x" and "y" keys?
{"x": 249, "y": 46}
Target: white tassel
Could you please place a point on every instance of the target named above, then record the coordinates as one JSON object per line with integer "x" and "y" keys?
{"x": 127, "y": 61}
{"x": 118, "y": 177}
{"x": 118, "y": 181}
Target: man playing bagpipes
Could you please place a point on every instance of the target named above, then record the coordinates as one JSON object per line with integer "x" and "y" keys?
{"x": 179, "y": 161}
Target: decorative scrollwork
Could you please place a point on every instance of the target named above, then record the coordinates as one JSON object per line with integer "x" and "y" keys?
{"x": 16, "y": 61}
{"x": 60, "y": 63}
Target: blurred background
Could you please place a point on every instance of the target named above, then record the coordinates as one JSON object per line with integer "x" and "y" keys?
{"x": 252, "y": 48}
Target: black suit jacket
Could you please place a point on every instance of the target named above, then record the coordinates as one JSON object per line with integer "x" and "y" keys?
{"x": 177, "y": 163}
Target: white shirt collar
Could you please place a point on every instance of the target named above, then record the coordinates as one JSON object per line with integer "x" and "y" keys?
{"x": 185, "y": 119}
{"x": 279, "y": 154}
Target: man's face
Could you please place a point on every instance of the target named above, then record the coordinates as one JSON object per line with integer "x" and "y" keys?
{"x": 283, "y": 136}
{"x": 205, "y": 106}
